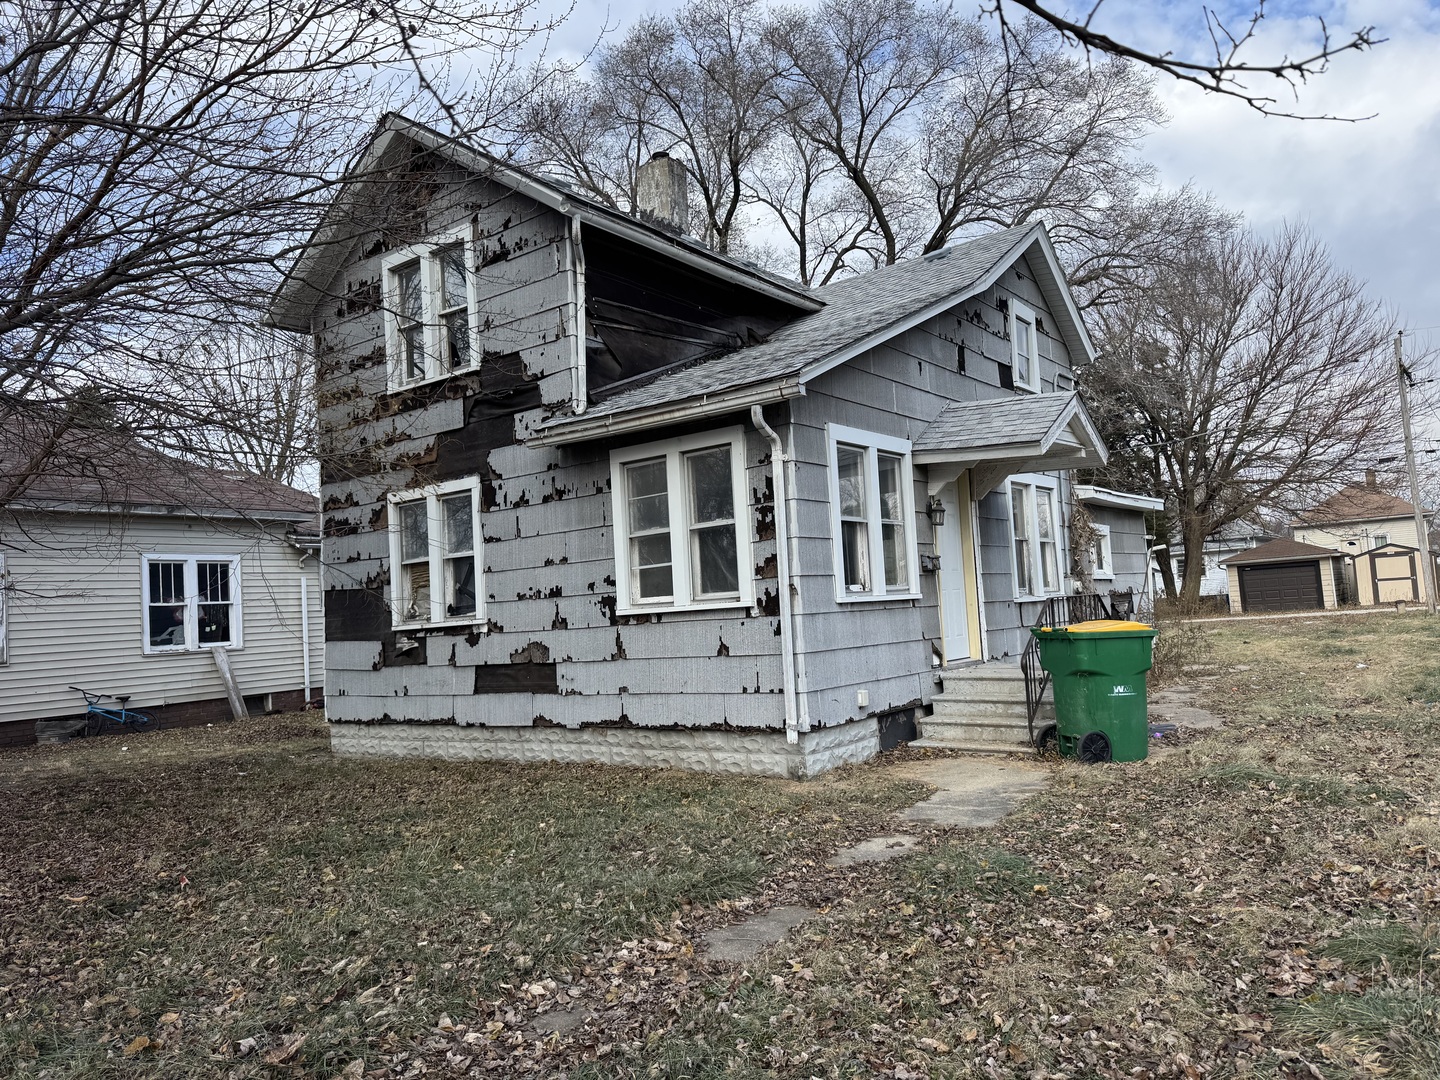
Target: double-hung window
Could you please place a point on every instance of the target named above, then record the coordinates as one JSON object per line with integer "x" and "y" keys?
{"x": 872, "y": 508}
{"x": 428, "y": 302}
{"x": 1035, "y": 534}
{"x": 190, "y": 602}
{"x": 1024, "y": 351}
{"x": 682, "y": 537}
{"x": 434, "y": 538}
{"x": 1102, "y": 558}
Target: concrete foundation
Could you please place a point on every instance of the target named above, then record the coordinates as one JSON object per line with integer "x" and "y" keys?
{"x": 759, "y": 753}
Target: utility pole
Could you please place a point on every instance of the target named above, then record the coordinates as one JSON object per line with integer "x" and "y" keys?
{"x": 1427, "y": 566}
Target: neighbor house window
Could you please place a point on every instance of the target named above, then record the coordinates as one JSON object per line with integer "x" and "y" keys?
{"x": 190, "y": 602}
{"x": 434, "y": 533}
{"x": 1024, "y": 353}
{"x": 682, "y": 537}
{"x": 1103, "y": 565}
{"x": 429, "y": 328}
{"x": 1380, "y": 540}
{"x": 872, "y": 515}
{"x": 1035, "y": 537}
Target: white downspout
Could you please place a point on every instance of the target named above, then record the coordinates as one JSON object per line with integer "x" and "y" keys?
{"x": 305, "y": 630}
{"x": 577, "y": 283}
{"x": 778, "y": 460}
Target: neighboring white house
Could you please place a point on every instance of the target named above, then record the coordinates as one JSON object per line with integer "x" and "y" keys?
{"x": 122, "y": 569}
{"x": 1358, "y": 518}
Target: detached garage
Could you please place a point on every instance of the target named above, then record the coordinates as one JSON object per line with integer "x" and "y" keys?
{"x": 1284, "y": 575}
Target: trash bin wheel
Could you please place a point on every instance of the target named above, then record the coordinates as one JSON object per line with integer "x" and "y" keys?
{"x": 1094, "y": 748}
{"x": 1048, "y": 741}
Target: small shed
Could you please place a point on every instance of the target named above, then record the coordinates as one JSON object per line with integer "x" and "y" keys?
{"x": 1284, "y": 575}
{"x": 1388, "y": 574}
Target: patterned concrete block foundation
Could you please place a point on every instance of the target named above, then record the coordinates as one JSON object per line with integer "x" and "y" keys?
{"x": 763, "y": 753}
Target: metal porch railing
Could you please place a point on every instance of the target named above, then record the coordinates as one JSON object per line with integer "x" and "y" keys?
{"x": 1057, "y": 611}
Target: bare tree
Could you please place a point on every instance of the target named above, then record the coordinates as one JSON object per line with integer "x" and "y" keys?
{"x": 159, "y": 158}
{"x": 1244, "y": 373}
{"x": 1225, "y": 69}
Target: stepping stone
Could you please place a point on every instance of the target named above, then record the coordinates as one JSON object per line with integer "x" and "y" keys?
{"x": 745, "y": 940}
{"x": 973, "y": 794}
{"x": 561, "y": 1021}
{"x": 874, "y": 850}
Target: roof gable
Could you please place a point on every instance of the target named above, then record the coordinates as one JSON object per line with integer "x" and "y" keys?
{"x": 333, "y": 241}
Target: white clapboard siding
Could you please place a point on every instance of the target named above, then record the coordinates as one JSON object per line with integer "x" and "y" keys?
{"x": 74, "y": 606}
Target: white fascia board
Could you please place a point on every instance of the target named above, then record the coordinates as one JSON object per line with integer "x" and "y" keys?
{"x": 1074, "y": 412}
{"x": 1079, "y": 337}
{"x": 599, "y": 426}
{"x": 977, "y": 455}
{"x": 1118, "y": 500}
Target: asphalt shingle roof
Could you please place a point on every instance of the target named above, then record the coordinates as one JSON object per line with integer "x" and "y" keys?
{"x": 1280, "y": 551}
{"x": 855, "y": 308}
{"x": 1357, "y": 503}
{"x": 97, "y": 468}
{"x": 991, "y": 422}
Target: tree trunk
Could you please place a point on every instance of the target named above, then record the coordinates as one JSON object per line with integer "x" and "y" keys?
{"x": 1194, "y": 541}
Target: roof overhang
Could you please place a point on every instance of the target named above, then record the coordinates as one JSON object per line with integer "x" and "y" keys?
{"x": 325, "y": 251}
{"x": 208, "y": 513}
{"x": 1116, "y": 500}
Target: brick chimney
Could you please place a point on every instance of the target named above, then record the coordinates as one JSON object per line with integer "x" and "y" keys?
{"x": 661, "y": 193}
{"x": 1371, "y": 481}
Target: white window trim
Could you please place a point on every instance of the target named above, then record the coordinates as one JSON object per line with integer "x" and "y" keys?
{"x": 872, "y": 443}
{"x": 192, "y": 604}
{"x": 673, "y": 450}
{"x": 429, "y": 283}
{"x": 1031, "y": 481}
{"x": 1102, "y": 533}
{"x": 435, "y": 532}
{"x": 1018, "y": 312}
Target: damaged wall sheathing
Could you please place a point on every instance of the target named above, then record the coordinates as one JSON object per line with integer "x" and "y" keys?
{"x": 886, "y": 647}
{"x": 554, "y": 652}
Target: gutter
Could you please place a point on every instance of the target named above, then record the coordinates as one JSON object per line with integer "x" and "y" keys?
{"x": 778, "y": 461}
{"x": 599, "y": 426}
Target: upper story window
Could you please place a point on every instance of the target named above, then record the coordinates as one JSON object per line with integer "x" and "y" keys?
{"x": 1035, "y": 536}
{"x": 429, "y": 298}
{"x": 434, "y": 537}
{"x": 872, "y": 516}
{"x": 1024, "y": 350}
{"x": 682, "y": 538}
{"x": 190, "y": 602}
{"x": 1379, "y": 540}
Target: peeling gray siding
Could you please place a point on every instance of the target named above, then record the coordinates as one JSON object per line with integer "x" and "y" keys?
{"x": 554, "y": 652}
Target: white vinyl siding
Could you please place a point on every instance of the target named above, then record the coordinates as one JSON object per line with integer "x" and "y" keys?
{"x": 4, "y": 596}
{"x": 872, "y": 516}
{"x": 682, "y": 538}
{"x": 77, "y": 605}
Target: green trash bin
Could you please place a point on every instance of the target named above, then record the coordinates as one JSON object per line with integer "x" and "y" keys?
{"x": 1098, "y": 669}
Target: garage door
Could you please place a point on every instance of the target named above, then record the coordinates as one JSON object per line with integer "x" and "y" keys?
{"x": 1281, "y": 587}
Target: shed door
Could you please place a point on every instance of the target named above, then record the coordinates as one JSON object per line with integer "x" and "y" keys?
{"x": 1394, "y": 577}
{"x": 1281, "y": 587}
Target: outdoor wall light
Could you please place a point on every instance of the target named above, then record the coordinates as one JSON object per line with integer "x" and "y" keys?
{"x": 936, "y": 509}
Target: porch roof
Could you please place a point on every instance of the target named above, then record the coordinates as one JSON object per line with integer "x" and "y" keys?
{"x": 1001, "y": 436}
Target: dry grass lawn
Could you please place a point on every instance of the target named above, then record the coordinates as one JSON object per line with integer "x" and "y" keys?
{"x": 1255, "y": 901}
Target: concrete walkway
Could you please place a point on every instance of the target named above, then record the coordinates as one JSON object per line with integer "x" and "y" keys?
{"x": 970, "y": 793}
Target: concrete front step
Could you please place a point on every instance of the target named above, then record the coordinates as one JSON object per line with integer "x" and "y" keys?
{"x": 969, "y": 747}
{"x": 989, "y": 730}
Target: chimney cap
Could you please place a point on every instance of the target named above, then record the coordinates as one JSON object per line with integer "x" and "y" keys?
{"x": 660, "y": 155}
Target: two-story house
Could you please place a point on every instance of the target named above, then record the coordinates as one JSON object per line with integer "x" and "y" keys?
{"x": 593, "y": 491}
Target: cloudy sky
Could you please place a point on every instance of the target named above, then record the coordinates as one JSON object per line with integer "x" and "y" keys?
{"x": 1368, "y": 188}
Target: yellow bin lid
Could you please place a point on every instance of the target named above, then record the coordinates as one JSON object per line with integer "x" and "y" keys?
{"x": 1100, "y": 626}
